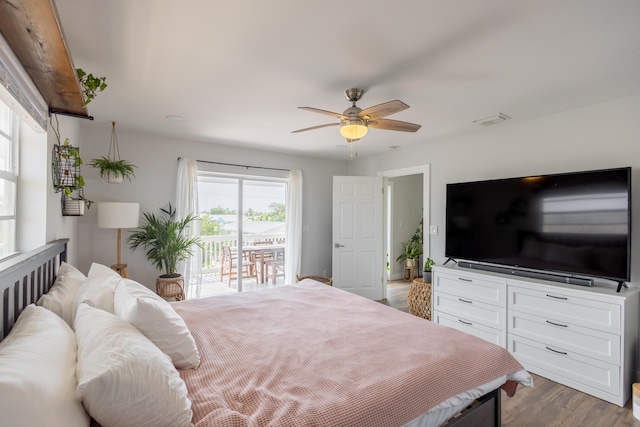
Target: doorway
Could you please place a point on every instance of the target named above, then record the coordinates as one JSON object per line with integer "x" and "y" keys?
{"x": 243, "y": 231}
{"x": 406, "y": 204}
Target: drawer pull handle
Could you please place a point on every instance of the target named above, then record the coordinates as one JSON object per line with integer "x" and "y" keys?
{"x": 553, "y": 296}
{"x": 465, "y": 280}
{"x": 465, "y": 301}
{"x": 556, "y": 351}
{"x": 557, "y": 324}
{"x": 465, "y": 323}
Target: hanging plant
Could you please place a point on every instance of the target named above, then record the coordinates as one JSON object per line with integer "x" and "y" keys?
{"x": 70, "y": 181}
{"x": 67, "y": 179}
{"x": 112, "y": 168}
{"x": 90, "y": 84}
{"x": 113, "y": 171}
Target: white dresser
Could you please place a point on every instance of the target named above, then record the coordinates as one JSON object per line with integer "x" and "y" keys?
{"x": 579, "y": 336}
{"x": 474, "y": 303}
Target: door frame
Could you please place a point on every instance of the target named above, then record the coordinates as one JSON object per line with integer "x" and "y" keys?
{"x": 425, "y": 170}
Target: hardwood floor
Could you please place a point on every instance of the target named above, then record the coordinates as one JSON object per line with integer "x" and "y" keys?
{"x": 546, "y": 404}
{"x": 397, "y": 292}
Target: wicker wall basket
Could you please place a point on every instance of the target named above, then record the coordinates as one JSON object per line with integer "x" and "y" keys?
{"x": 419, "y": 299}
{"x": 170, "y": 288}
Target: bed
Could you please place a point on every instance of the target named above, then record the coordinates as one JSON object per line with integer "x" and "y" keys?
{"x": 296, "y": 355}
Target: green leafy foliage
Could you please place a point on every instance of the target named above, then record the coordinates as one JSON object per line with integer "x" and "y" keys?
{"x": 164, "y": 239}
{"x": 114, "y": 168}
{"x": 90, "y": 85}
{"x": 276, "y": 213}
{"x": 428, "y": 263}
{"x": 210, "y": 226}
{"x": 66, "y": 151}
{"x": 412, "y": 248}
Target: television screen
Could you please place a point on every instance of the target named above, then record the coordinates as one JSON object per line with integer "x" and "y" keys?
{"x": 573, "y": 223}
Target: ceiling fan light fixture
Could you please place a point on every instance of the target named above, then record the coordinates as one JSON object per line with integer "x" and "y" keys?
{"x": 353, "y": 129}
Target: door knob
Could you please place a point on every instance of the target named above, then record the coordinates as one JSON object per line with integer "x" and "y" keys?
{"x": 338, "y": 245}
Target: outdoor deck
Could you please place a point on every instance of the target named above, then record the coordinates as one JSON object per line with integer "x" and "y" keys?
{"x": 211, "y": 285}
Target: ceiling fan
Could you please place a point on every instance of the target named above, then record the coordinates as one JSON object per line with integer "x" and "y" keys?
{"x": 354, "y": 122}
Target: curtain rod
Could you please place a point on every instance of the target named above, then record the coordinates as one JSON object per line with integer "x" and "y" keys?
{"x": 241, "y": 166}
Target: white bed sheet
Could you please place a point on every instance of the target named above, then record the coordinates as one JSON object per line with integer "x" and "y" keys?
{"x": 441, "y": 413}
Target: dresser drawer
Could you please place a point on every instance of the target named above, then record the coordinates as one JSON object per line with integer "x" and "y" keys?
{"x": 477, "y": 329}
{"x": 472, "y": 287}
{"x": 575, "y": 339}
{"x": 470, "y": 310}
{"x": 565, "y": 363}
{"x": 566, "y": 308}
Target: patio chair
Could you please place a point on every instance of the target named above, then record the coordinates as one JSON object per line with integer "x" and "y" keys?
{"x": 274, "y": 266}
{"x": 229, "y": 266}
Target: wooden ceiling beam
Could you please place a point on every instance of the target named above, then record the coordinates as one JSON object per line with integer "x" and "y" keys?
{"x": 33, "y": 31}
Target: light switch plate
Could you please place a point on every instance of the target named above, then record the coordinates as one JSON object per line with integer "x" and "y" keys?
{"x": 433, "y": 229}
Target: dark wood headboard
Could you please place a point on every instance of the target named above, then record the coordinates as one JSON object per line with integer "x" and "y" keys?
{"x": 25, "y": 277}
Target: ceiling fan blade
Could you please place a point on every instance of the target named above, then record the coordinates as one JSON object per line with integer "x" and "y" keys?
{"x": 394, "y": 125}
{"x": 325, "y": 112}
{"x": 383, "y": 110}
{"x": 315, "y": 127}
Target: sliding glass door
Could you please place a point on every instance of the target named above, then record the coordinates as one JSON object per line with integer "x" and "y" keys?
{"x": 242, "y": 223}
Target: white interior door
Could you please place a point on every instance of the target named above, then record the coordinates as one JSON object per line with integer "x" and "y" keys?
{"x": 357, "y": 262}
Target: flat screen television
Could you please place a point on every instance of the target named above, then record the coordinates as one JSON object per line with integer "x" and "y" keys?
{"x": 571, "y": 224}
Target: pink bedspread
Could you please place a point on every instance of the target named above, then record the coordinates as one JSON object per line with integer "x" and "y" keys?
{"x": 312, "y": 355}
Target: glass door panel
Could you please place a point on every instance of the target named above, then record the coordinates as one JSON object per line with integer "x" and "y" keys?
{"x": 264, "y": 231}
{"x": 218, "y": 205}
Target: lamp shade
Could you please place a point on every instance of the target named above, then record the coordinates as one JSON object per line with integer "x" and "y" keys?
{"x": 353, "y": 129}
{"x": 118, "y": 215}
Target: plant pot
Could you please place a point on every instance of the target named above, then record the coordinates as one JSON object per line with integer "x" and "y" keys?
{"x": 171, "y": 287}
{"x": 72, "y": 207}
{"x": 113, "y": 179}
{"x": 426, "y": 276}
{"x": 409, "y": 263}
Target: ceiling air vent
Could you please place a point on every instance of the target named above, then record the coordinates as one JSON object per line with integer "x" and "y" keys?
{"x": 494, "y": 119}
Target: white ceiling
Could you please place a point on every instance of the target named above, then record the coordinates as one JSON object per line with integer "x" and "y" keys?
{"x": 237, "y": 70}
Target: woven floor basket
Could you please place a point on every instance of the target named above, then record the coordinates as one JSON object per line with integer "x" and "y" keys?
{"x": 323, "y": 279}
{"x": 170, "y": 288}
{"x": 419, "y": 299}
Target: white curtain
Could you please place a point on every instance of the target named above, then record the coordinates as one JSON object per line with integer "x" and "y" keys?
{"x": 187, "y": 203}
{"x": 293, "y": 241}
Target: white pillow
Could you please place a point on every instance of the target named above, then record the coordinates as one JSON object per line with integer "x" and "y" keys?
{"x": 123, "y": 379}
{"x": 61, "y": 296}
{"x": 99, "y": 269}
{"x": 158, "y": 321}
{"x": 98, "y": 288}
{"x": 38, "y": 373}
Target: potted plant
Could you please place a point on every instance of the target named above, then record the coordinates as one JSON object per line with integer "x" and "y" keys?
{"x": 426, "y": 270}
{"x": 90, "y": 84}
{"x": 166, "y": 243}
{"x": 412, "y": 249}
{"x": 68, "y": 179}
{"x": 74, "y": 204}
{"x": 114, "y": 171}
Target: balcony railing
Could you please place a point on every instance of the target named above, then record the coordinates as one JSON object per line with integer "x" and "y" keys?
{"x": 212, "y": 247}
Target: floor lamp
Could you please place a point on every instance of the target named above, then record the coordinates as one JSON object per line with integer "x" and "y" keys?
{"x": 119, "y": 215}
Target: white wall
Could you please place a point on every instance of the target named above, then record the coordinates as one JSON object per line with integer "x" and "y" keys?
{"x": 595, "y": 137}
{"x": 154, "y": 187}
{"x": 32, "y": 189}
